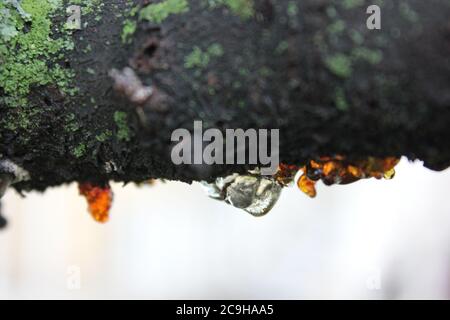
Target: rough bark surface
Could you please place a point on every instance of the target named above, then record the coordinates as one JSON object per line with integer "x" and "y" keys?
{"x": 310, "y": 68}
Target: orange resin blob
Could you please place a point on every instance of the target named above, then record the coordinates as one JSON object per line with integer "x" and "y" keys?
{"x": 307, "y": 186}
{"x": 336, "y": 170}
{"x": 285, "y": 174}
{"x": 99, "y": 200}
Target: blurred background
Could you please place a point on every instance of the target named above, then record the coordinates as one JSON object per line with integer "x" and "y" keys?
{"x": 369, "y": 240}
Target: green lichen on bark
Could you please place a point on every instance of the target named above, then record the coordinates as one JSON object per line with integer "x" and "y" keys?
{"x": 29, "y": 52}
{"x": 243, "y": 8}
{"x": 129, "y": 28}
{"x": 158, "y": 12}
{"x": 123, "y": 131}
{"x": 199, "y": 58}
{"x": 340, "y": 65}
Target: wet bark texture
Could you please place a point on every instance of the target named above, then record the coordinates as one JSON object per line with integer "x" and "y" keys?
{"x": 309, "y": 68}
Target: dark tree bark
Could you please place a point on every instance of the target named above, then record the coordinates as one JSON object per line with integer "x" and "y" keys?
{"x": 309, "y": 68}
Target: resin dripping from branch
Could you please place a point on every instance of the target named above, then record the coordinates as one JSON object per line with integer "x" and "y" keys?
{"x": 99, "y": 200}
{"x": 258, "y": 194}
{"x": 336, "y": 170}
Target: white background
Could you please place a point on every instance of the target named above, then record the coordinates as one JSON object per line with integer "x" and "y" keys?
{"x": 373, "y": 239}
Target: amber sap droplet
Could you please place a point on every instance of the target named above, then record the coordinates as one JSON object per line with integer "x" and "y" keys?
{"x": 338, "y": 170}
{"x": 286, "y": 174}
{"x": 315, "y": 164}
{"x": 99, "y": 200}
{"x": 329, "y": 167}
{"x": 355, "y": 171}
{"x": 307, "y": 186}
{"x": 390, "y": 174}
